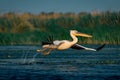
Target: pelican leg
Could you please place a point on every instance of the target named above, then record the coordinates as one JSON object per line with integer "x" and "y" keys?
{"x": 47, "y": 49}
{"x": 47, "y": 52}
{"x": 42, "y": 50}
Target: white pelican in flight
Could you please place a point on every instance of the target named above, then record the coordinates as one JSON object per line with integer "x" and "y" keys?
{"x": 66, "y": 44}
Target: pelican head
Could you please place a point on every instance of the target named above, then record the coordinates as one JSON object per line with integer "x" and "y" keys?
{"x": 76, "y": 33}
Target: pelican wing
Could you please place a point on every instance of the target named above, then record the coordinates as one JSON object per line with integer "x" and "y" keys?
{"x": 80, "y": 47}
{"x": 48, "y": 40}
{"x": 45, "y": 42}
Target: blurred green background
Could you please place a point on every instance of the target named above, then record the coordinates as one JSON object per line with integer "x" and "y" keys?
{"x": 31, "y": 29}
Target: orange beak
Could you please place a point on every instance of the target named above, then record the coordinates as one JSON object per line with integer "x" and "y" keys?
{"x": 83, "y": 35}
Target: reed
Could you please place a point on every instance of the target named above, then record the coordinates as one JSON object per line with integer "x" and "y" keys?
{"x": 31, "y": 29}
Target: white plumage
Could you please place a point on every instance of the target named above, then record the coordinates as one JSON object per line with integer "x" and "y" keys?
{"x": 65, "y": 44}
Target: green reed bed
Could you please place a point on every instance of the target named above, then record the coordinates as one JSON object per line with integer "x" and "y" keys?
{"x": 29, "y": 28}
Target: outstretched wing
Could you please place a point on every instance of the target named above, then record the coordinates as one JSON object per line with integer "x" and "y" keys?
{"x": 48, "y": 40}
{"x": 80, "y": 47}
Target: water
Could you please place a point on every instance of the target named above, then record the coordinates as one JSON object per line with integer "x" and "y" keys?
{"x": 17, "y": 63}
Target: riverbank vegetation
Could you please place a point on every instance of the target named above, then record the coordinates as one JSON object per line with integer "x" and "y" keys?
{"x": 27, "y": 28}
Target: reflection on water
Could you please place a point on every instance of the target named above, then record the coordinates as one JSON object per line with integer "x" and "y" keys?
{"x": 16, "y": 62}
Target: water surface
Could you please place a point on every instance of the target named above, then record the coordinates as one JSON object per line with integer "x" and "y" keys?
{"x": 16, "y": 62}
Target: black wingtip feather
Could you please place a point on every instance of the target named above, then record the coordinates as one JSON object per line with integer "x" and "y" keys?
{"x": 48, "y": 40}
{"x": 99, "y": 48}
{"x": 44, "y": 43}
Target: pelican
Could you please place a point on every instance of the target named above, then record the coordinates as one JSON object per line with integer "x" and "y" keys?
{"x": 66, "y": 44}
